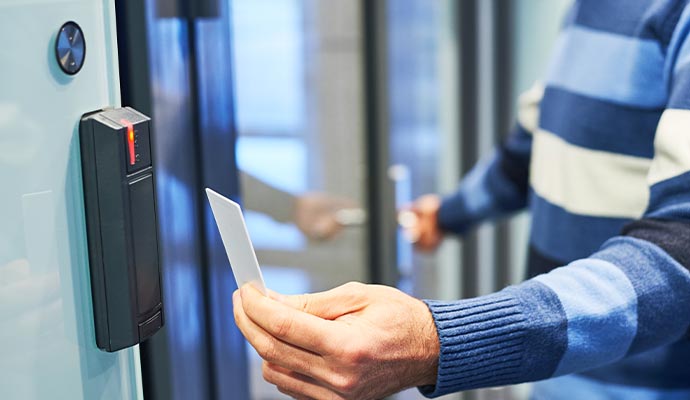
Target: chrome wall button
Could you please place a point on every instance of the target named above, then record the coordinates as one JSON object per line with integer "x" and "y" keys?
{"x": 70, "y": 48}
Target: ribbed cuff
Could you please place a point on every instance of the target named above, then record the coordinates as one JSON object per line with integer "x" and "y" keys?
{"x": 482, "y": 343}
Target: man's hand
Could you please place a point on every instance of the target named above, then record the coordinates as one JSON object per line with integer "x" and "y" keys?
{"x": 353, "y": 342}
{"x": 424, "y": 229}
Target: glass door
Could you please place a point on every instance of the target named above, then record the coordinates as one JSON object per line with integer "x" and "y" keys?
{"x": 300, "y": 145}
{"x": 453, "y": 72}
{"x": 300, "y": 116}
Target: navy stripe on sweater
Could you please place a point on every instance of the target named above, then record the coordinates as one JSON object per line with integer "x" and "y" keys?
{"x": 661, "y": 368}
{"x": 538, "y": 263}
{"x": 672, "y": 236}
{"x": 670, "y": 198}
{"x": 514, "y": 159}
{"x": 486, "y": 192}
{"x": 561, "y": 235}
{"x": 608, "y": 127}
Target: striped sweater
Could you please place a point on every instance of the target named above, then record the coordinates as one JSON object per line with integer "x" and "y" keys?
{"x": 601, "y": 157}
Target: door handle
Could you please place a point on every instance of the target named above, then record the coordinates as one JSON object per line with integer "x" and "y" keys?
{"x": 399, "y": 174}
{"x": 349, "y": 217}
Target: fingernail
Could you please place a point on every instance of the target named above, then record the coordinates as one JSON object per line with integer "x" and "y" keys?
{"x": 236, "y": 296}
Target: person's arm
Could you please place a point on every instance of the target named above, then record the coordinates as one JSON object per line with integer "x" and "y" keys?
{"x": 365, "y": 341}
{"x": 259, "y": 196}
{"x": 496, "y": 186}
{"x": 314, "y": 214}
{"x": 630, "y": 296}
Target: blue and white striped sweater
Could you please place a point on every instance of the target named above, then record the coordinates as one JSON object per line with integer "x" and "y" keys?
{"x": 601, "y": 156}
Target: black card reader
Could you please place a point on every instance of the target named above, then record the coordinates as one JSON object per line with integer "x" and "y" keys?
{"x": 121, "y": 226}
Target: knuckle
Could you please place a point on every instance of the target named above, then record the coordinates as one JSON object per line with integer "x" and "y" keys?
{"x": 353, "y": 285}
{"x": 305, "y": 368}
{"x": 341, "y": 349}
{"x": 302, "y": 302}
{"x": 329, "y": 347}
{"x": 355, "y": 289}
{"x": 267, "y": 349}
{"x": 357, "y": 356}
{"x": 344, "y": 384}
{"x": 282, "y": 326}
{"x": 353, "y": 354}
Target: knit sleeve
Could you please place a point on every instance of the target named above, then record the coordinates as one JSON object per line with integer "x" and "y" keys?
{"x": 630, "y": 296}
{"x": 498, "y": 184}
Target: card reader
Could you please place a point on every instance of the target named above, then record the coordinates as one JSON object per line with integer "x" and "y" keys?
{"x": 121, "y": 226}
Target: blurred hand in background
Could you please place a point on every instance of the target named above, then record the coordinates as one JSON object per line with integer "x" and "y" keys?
{"x": 321, "y": 216}
{"x": 420, "y": 222}
{"x": 318, "y": 215}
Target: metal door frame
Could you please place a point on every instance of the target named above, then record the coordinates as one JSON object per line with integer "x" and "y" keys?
{"x": 208, "y": 38}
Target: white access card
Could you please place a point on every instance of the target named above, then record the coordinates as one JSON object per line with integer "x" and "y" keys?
{"x": 238, "y": 245}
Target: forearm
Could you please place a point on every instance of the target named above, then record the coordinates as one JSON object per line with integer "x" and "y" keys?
{"x": 496, "y": 186}
{"x": 261, "y": 197}
{"x": 627, "y": 298}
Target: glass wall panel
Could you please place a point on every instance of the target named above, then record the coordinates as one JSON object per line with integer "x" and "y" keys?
{"x": 422, "y": 113}
{"x": 425, "y": 96}
{"x": 298, "y": 79}
{"x": 299, "y": 97}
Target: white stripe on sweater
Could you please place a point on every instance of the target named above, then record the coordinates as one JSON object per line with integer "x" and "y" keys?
{"x": 528, "y": 107}
{"x": 671, "y": 146}
{"x": 588, "y": 182}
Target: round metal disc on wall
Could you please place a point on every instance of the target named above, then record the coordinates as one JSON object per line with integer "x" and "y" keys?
{"x": 70, "y": 48}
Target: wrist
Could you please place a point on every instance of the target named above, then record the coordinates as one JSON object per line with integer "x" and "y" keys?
{"x": 477, "y": 337}
{"x": 430, "y": 348}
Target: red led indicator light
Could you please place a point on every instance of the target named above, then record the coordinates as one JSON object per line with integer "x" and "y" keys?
{"x": 130, "y": 141}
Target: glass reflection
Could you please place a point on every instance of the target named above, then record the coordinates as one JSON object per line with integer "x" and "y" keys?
{"x": 184, "y": 333}
{"x": 301, "y": 143}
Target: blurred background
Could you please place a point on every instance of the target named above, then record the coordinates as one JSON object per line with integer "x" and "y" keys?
{"x": 322, "y": 117}
{"x": 379, "y": 102}
{"x": 339, "y": 113}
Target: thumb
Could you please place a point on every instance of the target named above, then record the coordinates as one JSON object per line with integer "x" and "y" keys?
{"x": 330, "y": 304}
